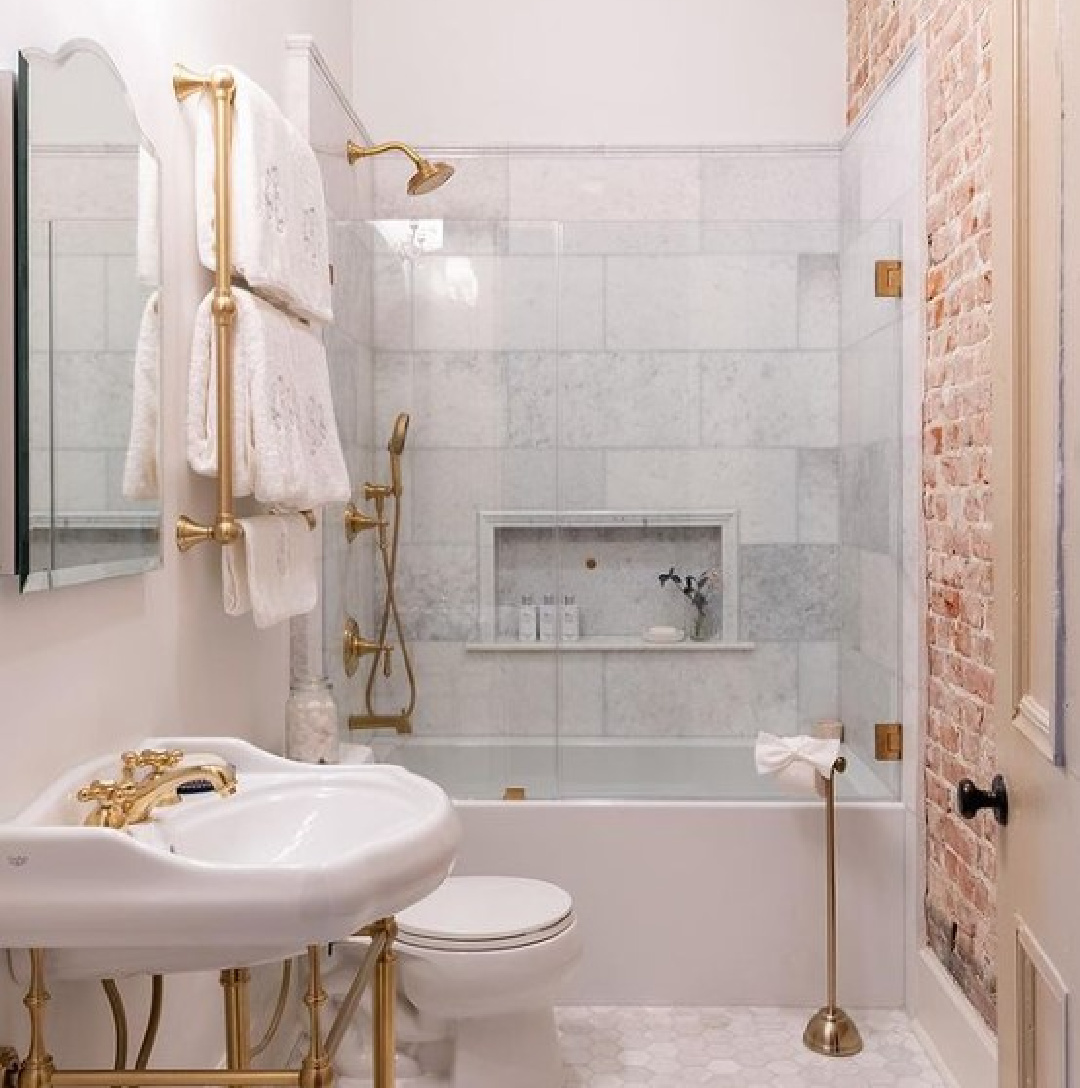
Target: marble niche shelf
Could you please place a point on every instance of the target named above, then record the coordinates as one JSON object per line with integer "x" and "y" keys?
{"x": 495, "y": 531}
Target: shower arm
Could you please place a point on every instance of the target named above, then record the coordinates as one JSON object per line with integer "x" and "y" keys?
{"x": 355, "y": 151}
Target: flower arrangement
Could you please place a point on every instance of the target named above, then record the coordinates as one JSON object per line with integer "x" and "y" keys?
{"x": 696, "y": 590}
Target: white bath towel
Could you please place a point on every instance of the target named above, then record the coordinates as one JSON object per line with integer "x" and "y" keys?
{"x": 286, "y": 449}
{"x": 148, "y": 220}
{"x": 797, "y": 763}
{"x": 271, "y": 571}
{"x": 142, "y": 474}
{"x": 279, "y": 230}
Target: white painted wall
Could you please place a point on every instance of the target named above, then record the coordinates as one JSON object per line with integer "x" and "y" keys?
{"x": 91, "y": 668}
{"x": 601, "y": 72}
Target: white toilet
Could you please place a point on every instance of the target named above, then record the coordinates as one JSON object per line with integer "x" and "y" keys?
{"x": 480, "y": 963}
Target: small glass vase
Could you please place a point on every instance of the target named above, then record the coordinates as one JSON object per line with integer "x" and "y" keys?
{"x": 701, "y": 626}
{"x": 311, "y": 722}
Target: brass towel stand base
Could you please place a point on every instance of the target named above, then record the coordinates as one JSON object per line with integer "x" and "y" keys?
{"x": 37, "y": 1069}
{"x": 831, "y": 1031}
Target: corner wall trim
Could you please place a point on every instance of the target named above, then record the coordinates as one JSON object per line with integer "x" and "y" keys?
{"x": 954, "y": 1035}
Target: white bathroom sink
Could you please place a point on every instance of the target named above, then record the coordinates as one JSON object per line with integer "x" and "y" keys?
{"x": 299, "y": 855}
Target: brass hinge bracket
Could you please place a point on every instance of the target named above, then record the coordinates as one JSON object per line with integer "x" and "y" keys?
{"x": 514, "y": 793}
{"x": 889, "y": 279}
{"x": 888, "y": 742}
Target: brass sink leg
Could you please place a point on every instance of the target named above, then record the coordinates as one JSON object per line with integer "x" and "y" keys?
{"x": 37, "y": 1070}
{"x": 315, "y": 1070}
{"x": 384, "y": 998}
{"x": 235, "y": 985}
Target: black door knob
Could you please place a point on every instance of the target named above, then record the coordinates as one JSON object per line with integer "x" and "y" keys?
{"x": 971, "y": 800}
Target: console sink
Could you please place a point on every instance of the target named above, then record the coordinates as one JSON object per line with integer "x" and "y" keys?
{"x": 300, "y": 855}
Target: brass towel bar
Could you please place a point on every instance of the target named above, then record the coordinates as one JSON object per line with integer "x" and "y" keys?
{"x": 221, "y": 84}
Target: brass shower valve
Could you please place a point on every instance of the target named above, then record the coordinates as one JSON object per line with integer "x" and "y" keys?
{"x": 356, "y": 522}
{"x": 355, "y": 646}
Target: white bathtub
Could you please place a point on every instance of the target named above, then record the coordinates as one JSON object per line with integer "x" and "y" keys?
{"x": 687, "y": 902}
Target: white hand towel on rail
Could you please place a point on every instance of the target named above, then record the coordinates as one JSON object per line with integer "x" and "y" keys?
{"x": 286, "y": 449}
{"x": 797, "y": 763}
{"x": 271, "y": 571}
{"x": 279, "y": 232}
{"x": 142, "y": 474}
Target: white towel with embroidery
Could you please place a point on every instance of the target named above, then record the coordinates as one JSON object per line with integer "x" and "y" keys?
{"x": 279, "y": 231}
{"x": 142, "y": 474}
{"x": 148, "y": 220}
{"x": 271, "y": 571}
{"x": 797, "y": 763}
{"x": 286, "y": 449}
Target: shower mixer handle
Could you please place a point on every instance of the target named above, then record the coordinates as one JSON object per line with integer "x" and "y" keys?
{"x": 354, "y": 647}
{"x": 356, "y": 522}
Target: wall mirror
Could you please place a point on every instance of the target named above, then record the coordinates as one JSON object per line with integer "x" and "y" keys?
{"x": 88, "y": 324}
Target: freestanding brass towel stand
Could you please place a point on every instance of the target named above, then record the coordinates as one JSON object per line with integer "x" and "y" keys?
{"x": 830, "y": 1030}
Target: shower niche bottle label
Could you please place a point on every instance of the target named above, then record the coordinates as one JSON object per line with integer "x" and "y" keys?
{"x": 570, "y": 619}
{"x": 526, "y": 619}
{"x": 547, "y": 619}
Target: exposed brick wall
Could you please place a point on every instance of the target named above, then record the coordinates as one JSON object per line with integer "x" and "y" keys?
{"x": 959, "y": 741}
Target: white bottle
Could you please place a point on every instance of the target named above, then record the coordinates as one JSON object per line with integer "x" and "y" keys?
{"x": 547, "y": 618}
{"x": 526, "y": 619}
{"x": 570, "y": 619}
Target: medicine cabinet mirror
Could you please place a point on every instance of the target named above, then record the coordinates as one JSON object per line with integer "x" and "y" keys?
{"x": 88, "y": 321}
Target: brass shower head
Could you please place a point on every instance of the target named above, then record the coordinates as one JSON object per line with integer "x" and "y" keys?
{"x": 428, "y": 177}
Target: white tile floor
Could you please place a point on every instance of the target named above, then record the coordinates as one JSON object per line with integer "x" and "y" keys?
{"x": 733, "y": 1048}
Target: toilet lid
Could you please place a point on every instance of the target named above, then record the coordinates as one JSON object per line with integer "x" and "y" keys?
{"x": 486, "y": 912}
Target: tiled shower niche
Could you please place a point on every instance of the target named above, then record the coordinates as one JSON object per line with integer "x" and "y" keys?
{"x": 609, "y": 562}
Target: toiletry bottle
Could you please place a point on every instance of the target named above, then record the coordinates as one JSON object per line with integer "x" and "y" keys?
{"x": 570, "y": 619}
{"x": 548, "y": 618}
{"x": 526, "y": 619}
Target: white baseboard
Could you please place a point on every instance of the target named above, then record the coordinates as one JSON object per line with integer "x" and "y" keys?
{"x": 954, "y": 1035}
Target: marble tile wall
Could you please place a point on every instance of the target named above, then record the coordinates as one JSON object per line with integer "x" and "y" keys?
{"x": 618, "y": 331}
{"x": 85, "y": 308}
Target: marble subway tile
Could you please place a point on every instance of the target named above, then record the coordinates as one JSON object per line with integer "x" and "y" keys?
{"x": 762, "y": 485}
{"x": 457, "y": 304}
{"x": 459, "y": 693}
{"x": 723, "y": 695}
{"x": 869, "y": 497}
{"x": 92, "y": 399}
{"x": 871, "y": 387}
{"x": 609, "y": 187}
{"x": 789, "y": 592}
{"x": 93, "y": 238}
{"x": 392, "y": 304}
{"x": 821, "y": 238}
{"x": 626, "y": 399}
{"x": 770, "y": 399}
{"x": 581, "y": 695}
{"x": 541, "y": 479}
{"x": 78, "y": 303}
{"x": 879, "y": 609}
{"x": 581, "y": 303}
{"x": 702, "y": 302}
{"x": 641, "y": 237}
{"x": 528, "y": 303}
{"x": 457, "y": 400}
{"x": 531, "y": 400}
{"x": 447, "y": 488}
{"x": 819, "y": 303}
{"x": 765, "y": 186}
{"x": 479, "y": 189}
{"x": 437, "y": 591}
{"x": 819, "y": 496}
{"x": 819, "y": 682}
{"x": 81, "y": 480}
{"x": 869, "y": 693}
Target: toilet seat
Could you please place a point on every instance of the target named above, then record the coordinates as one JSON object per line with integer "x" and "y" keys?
{"x": 486, "y": 913}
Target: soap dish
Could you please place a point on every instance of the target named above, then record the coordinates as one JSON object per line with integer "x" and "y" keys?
{"x": 663, "y": 634}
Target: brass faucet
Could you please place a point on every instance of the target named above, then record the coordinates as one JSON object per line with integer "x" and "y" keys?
{"x": 121, "y": 804}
